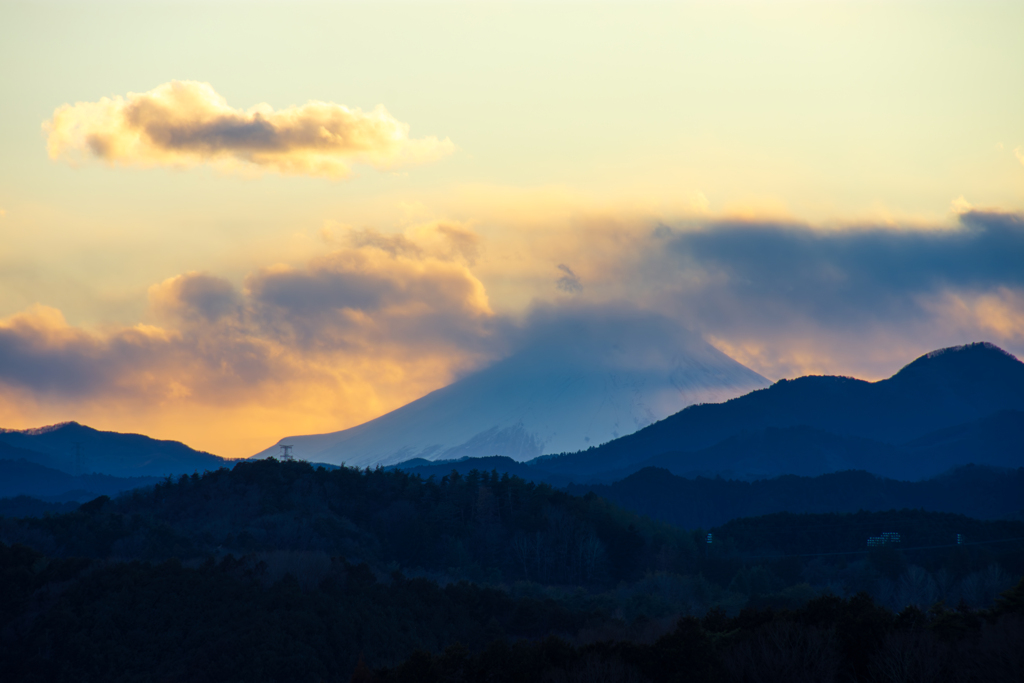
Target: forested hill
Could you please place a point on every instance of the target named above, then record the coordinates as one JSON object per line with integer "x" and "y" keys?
{"x": 979, "y": 492}
{"x": 480, "y": 525}
{"x": 937, "y": 391}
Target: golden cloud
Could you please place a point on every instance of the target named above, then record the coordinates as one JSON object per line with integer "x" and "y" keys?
{"x": 368, "y": 296}
{"x": 317, "y": 347}
{"x": 998, "y": 313}
{"x": 186, "y": 123}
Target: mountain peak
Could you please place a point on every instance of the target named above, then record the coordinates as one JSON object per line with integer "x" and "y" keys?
{"x": 967, "y": 362}
{"x": 976, "y": 349}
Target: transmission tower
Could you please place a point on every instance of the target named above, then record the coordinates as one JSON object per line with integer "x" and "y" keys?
{"x": 286, "y": 452}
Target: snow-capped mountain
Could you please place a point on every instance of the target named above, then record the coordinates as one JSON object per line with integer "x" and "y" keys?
{"x": 578, "y": 383}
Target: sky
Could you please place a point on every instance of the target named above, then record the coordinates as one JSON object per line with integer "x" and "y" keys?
{"x": 228, "y": 222}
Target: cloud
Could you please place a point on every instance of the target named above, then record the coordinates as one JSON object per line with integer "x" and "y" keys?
{"x": 314, "y": 347}
{"x": 773, "y": 291}
{"x": 39, "y": 350}
{"x": 1019, "y": 153}
{"x": 185, "y": 123}
{"x": 615, "y": 333}
{"x": 846, "y": 275}
{"x": 374, "y": 295}
{"x": 960, "y": 206}
{"x": 442, "y": 240}
{"x": 42, "y": 353}
{"x": 194, "y": 297}
{"x": 570, "y": 282}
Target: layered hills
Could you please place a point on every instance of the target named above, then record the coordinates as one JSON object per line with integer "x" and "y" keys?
{"x": 978, "y": 492}
{"x": 24, "y": 478}
{"x": 282, "y": 571}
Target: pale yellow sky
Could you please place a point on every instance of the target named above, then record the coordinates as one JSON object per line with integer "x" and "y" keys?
{"x": 565, "y": 133}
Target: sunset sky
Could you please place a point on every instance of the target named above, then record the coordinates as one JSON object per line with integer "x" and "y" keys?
{"x": 227, "y": 222}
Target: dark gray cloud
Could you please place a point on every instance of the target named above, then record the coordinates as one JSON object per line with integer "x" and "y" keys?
{"x": 575, "y": 331}
{"x": 322, "y": 291}
{"x": 766, "y": 270}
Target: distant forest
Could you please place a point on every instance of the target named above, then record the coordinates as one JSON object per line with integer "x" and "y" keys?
{"x": 979, "y": 492}
{"x": 272, "y": 567}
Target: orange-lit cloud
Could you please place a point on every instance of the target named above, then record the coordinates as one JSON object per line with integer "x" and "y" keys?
{"x": 185, "y": 123}
{"x": 345, "y": 337}
{"x": 998, "y": 313}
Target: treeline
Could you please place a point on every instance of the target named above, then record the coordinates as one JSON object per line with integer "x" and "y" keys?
{"x": 827, "y": 640}
{"x": 500, "y": 530}
{"x": 937, "y": 557}
{"x": 285, "y": 618}
{"x": 979, "y": 492}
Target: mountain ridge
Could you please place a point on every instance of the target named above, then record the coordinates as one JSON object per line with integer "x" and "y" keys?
{"x": 933, "y": 392}
{"x": 104, "y": 452}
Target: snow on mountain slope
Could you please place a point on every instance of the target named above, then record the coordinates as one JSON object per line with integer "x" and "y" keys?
{"x": 578, "y": 383}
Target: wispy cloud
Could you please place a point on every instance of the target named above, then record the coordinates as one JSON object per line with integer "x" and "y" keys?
{"x": 569, "y": 282}
{"x": 185, "y": 123}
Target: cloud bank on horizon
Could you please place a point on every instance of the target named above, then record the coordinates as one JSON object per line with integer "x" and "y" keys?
{"x": 770, "y": 293}
{"x": 381, "y": 319}
{"x": 186, "y": 123}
